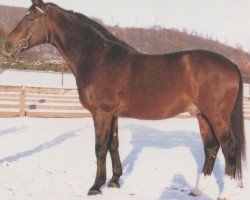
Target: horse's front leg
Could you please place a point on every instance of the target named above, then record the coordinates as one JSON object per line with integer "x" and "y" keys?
{"x": 113, "y": 150}
{"x": 102, "y": 123}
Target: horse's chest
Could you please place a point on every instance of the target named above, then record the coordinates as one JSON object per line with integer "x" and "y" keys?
{"x": 93, "y": 97}
{"x": 87, "y": 96}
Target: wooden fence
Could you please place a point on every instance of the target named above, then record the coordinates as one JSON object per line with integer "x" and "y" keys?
{"x": 40, "y": 102}
{"x": 54, "y": 103}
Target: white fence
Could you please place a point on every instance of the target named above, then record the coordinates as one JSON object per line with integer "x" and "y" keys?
{"x": 57, "y": 103}
{"x": 40, "y": 102}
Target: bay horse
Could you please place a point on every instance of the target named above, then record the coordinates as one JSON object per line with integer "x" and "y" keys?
{"x": 115, "y": 80}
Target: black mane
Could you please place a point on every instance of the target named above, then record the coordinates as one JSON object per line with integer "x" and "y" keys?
{"x": 76, "y": 17}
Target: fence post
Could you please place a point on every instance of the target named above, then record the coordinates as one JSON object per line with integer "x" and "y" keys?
{"x": 22, "y": 102}
{"x": 62, "y": 79}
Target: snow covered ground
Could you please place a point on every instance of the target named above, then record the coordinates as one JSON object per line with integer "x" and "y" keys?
{"x": 52, "y": 159}
{"x": 36, "y": 79}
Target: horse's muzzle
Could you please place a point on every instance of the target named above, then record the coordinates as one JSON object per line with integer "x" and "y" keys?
{"x": 13, "y": 50}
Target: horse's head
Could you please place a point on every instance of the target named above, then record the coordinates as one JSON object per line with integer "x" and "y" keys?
{"x": 31, "y": 30}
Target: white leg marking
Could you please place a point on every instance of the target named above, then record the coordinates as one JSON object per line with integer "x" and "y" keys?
{"x": 229, "y": 189}
{"x": 203, "y": 182}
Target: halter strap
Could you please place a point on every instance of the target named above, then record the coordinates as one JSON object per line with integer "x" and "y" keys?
{"x": 44, "y": 13}
{"x": 39, "y": 9}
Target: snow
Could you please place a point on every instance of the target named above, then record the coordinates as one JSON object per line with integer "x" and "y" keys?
{"x": 38, "y": 79}
{"x": 55, "y": 159}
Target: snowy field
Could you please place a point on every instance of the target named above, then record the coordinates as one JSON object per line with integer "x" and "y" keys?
{"x": 36, "y": 79}
{"x": 48, "y": 79}
{"x": 52, "y": 159}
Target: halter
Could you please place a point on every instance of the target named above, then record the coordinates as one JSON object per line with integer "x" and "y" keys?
{"x": 39, "y": 9}
{"x": 24, "y": 43}
{"x": 44, "y": 14}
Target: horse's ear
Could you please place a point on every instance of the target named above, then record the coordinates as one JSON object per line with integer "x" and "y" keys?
{"x": 38, "y": 3}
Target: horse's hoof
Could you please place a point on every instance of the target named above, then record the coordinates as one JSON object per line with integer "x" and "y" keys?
{"x": 193, "y": 194}
{"x": 94, "y": 192}
{"x": 113, "y": 185}
{"x": 221, "y": 198}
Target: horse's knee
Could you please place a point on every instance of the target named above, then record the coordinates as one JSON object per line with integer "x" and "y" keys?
{"x": 113, "y": 146}
{"x": 101, "y": 150}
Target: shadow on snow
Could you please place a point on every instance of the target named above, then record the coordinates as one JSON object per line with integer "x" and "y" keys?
{"x": 179, "y": 187}
{"x": 56, "y": 141}
{"x": 12, "y": 130}
{"x": 143, "y": 137}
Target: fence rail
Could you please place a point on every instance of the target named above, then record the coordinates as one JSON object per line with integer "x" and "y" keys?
{"x": 20, "y": 101}
{"x": 40, "y": 102}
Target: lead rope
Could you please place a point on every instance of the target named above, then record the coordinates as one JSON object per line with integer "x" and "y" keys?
{"x": 6, "y": 62}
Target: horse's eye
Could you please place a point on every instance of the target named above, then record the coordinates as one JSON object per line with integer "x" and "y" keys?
{"x": 30, "y": 17}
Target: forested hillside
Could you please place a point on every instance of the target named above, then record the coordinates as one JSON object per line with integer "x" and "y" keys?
{"x": 154, "y": 40}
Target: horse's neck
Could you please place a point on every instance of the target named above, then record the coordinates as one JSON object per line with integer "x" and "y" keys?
{"x": 77, "y": 47}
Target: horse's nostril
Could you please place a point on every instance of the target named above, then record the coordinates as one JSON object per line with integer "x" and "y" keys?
{"x": 7, "y": 44}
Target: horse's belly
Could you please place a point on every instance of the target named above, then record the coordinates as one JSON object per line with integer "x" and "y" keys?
{"x": 145, "y": 116}
{"x": 154, "y": 111}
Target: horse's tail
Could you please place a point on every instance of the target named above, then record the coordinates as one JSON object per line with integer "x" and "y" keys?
{"x": 237, "y": 125}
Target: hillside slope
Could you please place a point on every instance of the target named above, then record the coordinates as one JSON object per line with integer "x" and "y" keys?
{"x": 154, "y": 40}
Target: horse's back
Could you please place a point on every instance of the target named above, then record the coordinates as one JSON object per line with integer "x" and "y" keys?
{"x": 162, "y": 86}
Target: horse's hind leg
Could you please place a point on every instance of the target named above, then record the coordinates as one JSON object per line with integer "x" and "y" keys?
{"x": 220, "y": 122}
{"x": 229, "y": 148}
{"x": 211, "y": 147}
{"x": 114, "y": 153}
